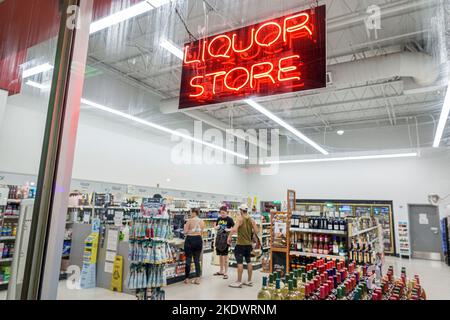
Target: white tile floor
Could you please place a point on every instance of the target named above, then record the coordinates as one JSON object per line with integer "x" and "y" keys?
{"x": 435, "y": 278}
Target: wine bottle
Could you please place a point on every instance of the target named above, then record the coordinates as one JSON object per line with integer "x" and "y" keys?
{"x": 264, "y": 293}
{"x": 278, "y": 295}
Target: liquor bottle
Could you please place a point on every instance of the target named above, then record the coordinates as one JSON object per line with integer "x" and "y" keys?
{"x": 285, "y": 289}
{"x": 325, "y": 245}
{"x": 324, "y": 223}
{"x": 336, "y": 225}
{"x": 315, "y": 244}
{"x": 271, "y": 285}
{"x": 320, "y": 245}
{"x": 306, "y": 223}
{"x": 363, "y": 253}
{"x": 292, "y": 294}
{"x": 264, "y": 293}
{"x": 342, "y": 252}
{"x": 368, "y": 254}
{"x": 278, "y": 277}
{"x": 343, "y": 225}
{"x": 335, "y": 246}
{"x": 278, "y": 295}
{"x": 330, "y": 224}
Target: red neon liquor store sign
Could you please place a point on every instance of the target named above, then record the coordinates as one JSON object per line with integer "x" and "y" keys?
{"x": 283, "y": 55}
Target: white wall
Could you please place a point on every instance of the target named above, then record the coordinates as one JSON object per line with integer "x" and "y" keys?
{"x": 118, "y": 153}
{"x": 21, "y": 135}
{"x": 109, "y": 151}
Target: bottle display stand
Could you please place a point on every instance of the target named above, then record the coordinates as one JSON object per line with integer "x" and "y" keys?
{"x": 149, "y": 250}
{"x": 403, "y": 238}
{"x": 88, "y": 273}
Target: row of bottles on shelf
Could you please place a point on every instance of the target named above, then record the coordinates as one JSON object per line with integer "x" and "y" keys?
{"x": 318, "y": 223}
{"x": 11, "y": 209}
{"x": 6, "y": 250}
{"x": 318, "y": 244}
{"x": 329, "y": 280}
{"x": 361, "y": 253}
{"x": 21, "y": 192}
{"x": 8, "y": 229}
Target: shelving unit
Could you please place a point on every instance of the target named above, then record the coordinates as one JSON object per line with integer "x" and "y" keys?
{"x": 403, "y": 238}
{"x": 9, "y": 220}
{"x": 382, "y": 210}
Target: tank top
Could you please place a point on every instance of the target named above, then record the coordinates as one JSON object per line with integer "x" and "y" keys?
{"x": 197, "y": 227}
{"x": 245, "y": 232}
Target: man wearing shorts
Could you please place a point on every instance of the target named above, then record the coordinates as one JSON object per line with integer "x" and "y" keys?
{"x": 245, "y": 228}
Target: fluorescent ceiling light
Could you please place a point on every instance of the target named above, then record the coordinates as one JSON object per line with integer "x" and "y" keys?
{"x": 38, "y": 85}
{"x": 169, "y": 46}
{"x": 372, "y": 157}
{"x": 287, "y": 126}
{"x": 443, "y": 119}
{"x": 126, "y": 14}
{"x": 340, "y": 132}
{"x": 36, "y": 70}
{"x": 158, "y": 127}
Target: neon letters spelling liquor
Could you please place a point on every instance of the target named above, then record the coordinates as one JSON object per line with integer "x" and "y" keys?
{"x": 283, "y": 55}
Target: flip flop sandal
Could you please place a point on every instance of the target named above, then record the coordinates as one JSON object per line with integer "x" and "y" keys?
{"x": 218, "y": 274}
{"x": 225, "y": 277}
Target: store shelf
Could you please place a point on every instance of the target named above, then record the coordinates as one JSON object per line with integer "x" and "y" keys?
{"x": 2, "y": 283}
{"x": 6, "y": 260}
{"x": 336, "y": 232}
{"x": 14, "y": 200}
{"x": 209, "y": 219}
{"x": 266, "y": 224}
{"x": 317, "y": 255}
{"x": 7, "y": 238}
{"x": 363, "y": 231}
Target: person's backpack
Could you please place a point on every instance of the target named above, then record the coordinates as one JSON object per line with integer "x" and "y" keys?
{"x": 221, "y": 240}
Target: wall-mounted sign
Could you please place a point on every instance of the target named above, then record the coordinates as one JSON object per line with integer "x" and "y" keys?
{"x": 282, "y": 55}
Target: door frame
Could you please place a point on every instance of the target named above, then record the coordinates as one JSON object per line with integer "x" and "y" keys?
{"x": 424, "y": 255}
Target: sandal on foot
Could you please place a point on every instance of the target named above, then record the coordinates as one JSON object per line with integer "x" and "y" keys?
{"x": 225, "y": 277}
{"x": 218, "y": 274}
{"x": 236, "y": 285}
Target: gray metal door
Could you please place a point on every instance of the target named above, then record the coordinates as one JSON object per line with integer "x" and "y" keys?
{"x": 425, "y": 232}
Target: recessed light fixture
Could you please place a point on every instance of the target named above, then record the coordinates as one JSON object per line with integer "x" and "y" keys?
{"x": 340, "y": 132}
{"x": 36, "y": 70}
{"x": 168, "y": 179}
{"x": 354, "y": 158}
{"x": 126, "y": 14}
{"x": 443, "y": 119}
{"x": 169, "y": 46}
{"x": 287, "y": 126}
{"x": 159, "y": 127}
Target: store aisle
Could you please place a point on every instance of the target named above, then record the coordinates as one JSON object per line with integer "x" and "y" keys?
{"x": 215, "y": 288}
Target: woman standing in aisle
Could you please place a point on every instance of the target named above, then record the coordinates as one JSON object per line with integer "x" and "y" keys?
{"x": 224, "y": 224}
{"x": 193, "y": 244}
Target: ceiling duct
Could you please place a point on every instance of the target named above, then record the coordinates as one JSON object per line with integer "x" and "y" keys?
{"x": 422, "y": 68}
